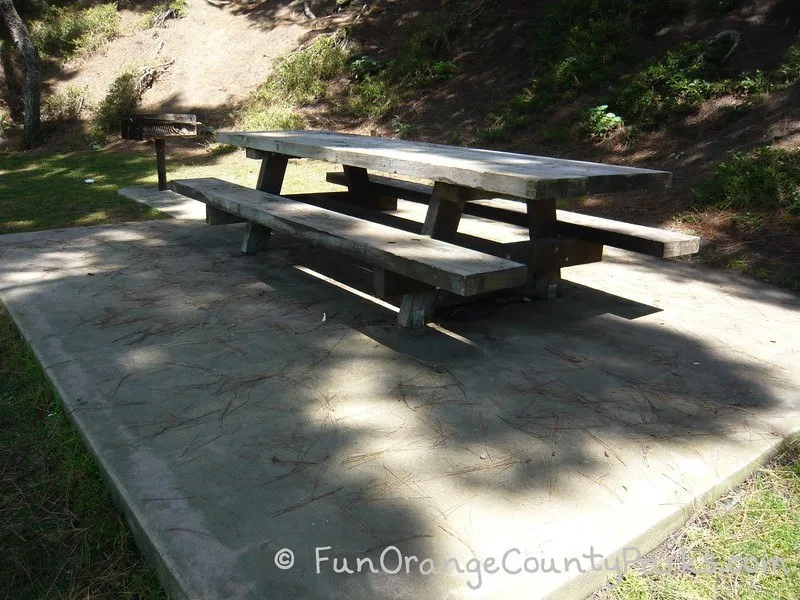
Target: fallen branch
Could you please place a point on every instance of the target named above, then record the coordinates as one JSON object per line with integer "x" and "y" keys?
{"x": 149, "y": 75}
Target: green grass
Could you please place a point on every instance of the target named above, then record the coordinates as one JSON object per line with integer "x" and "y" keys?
{"x": 686, "y": 76}
{"x": 759, "y": 519}
{"x": 178, "y": 8}
{"x": 763, "y": 180}
{"x": 60, "y": 533}
{"x": 301, "y": 78}
{"x": 581, "y": 46}
{"x": 72, "y": 31}
{"x": 49, "y": 191}
{"x": 358, "y": 85}
{"x": 578, "y": 46}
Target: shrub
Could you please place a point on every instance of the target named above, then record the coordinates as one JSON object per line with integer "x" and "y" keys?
{"x": 599, "y": 122}
{"x": 763, "y": 179}
{"x": 672, "y": 85}
{"x": 156, "y": 16}
{"x": 579, "y": 45}
{"x": 72, "y": 31}
{"x": 66, "y": 105}
{"x": 121, "y": 100}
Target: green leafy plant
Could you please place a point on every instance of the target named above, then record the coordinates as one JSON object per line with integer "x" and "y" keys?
{"x": 442, "y": 70}
{"x": 763, "y": 179}
{"x": 600, "y": 122}
{"x": 363, "y": 66}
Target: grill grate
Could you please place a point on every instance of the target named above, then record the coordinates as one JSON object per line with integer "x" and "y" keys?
{"x": 144, "y": 127}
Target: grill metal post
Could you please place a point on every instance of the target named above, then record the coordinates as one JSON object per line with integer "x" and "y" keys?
{"x": 157, "y": 128}
{"x": 161, "y": 163}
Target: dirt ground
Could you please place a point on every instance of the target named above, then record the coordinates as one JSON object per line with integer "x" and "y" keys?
{"x": 213, "y": 56}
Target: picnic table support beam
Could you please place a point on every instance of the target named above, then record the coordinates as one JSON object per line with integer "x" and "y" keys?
{"x": 441, "y": 223}
{"x": 362, "y": 193}
{"x": 216, "y": 216}
{"x": 542, "y": 223}
{"x": 270, "y": 180}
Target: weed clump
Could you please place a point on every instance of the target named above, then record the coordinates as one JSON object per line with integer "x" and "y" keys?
{"x": 764, "y": 179}
{"x": 301, "y": 78}
{"x": 579, "y": 45}
{"x": 65, "y": 106}
{"x": 70, "y": 31}
{"x": 687, "y": 76}
{"x": 160, "y": 13}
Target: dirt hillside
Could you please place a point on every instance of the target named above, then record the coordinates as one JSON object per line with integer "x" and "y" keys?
{"x": 216, "y": 55}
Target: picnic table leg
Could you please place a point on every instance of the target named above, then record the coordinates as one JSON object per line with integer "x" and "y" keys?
{"x": 357, "y": 181}
{"x": 441, "y": 223}
{"x": 270, "y": 179}
{"x": 542, "y": 224}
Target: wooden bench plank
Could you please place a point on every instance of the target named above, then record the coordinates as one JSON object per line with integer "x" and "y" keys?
{"x": 627, "y": 236}
{"x": 437, "y": 263}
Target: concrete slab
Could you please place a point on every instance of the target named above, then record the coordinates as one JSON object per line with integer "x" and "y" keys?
{"x": 166, "y": 201}
{"x": 241, "y": 405}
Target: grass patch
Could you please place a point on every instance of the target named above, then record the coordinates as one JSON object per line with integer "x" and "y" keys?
{"x": 48, "y": 191}
{"x": 60, "y": 533}
{"x": 72, "y": 31}
{"x": 689, "y": 75}
{"x": 361, "y": 86}
{"x": 300, "y": 78}
{"x": 758, "y": 520}
{"x": 161, "y": 12}
{"x": 762, "y": 180}
{"x": 579, "y": 45}
{"x": 425, "y": 57}
{"x": 65, "y": 106}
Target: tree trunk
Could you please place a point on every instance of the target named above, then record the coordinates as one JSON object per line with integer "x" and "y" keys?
{"x": 32, "y": 130}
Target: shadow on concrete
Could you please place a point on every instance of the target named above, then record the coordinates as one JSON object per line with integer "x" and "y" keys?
{"x": 240, "y": 405}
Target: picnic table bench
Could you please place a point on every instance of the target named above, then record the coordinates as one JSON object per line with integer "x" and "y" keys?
{"x": 416, "y": 260}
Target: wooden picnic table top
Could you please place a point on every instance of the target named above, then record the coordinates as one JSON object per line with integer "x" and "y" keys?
{"x": 503, "y": 173}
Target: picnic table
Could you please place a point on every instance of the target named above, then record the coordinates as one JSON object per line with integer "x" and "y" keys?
{"x": 420, "y": 260}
